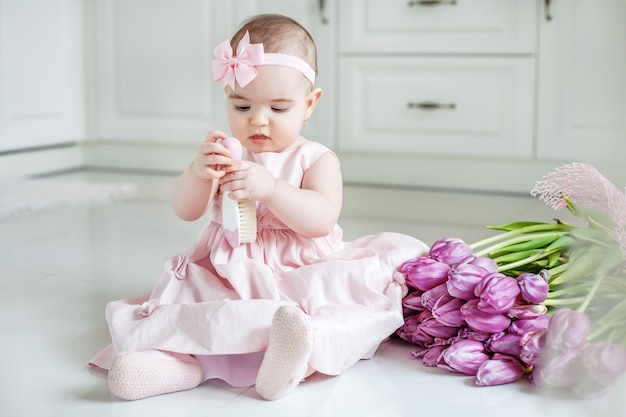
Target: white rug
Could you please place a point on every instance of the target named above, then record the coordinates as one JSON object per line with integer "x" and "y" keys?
{"x": 25, "y": 197}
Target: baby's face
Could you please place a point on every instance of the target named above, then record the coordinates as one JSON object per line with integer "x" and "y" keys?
{"x": 267, "y": 115}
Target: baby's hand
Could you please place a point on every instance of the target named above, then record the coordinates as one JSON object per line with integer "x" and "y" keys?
{"x": 247, "y": 181}
{"x": 211, "y": 158}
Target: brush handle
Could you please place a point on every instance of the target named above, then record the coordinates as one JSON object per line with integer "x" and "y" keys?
{"x": 238, "y": 217}
{"x": 234, "y": 148}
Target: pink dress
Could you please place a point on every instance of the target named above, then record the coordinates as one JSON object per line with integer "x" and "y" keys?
{"x": 217, "y": 303}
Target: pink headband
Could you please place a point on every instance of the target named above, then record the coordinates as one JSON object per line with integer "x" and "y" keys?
{"x": 240, "y": 68}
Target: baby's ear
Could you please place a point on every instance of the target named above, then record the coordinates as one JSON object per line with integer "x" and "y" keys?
{"x": 312, "y": 99}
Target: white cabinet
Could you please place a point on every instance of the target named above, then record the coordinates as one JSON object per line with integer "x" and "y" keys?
{"x": 153, "y": 69}
{"x": 582, "y": 81}
{"x": 454, "y": 78}
{"x": 153, "y": 66}
{"x": 41, "y": 73}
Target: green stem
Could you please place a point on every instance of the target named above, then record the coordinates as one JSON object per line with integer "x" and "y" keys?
{"x": 609, "y": 321}
{"x": 528, "y": 229}
{"x": 564, "y": 301}
{"x": 513, "y": 240}
{"x": 525, "y": 261}
{"x": 576, "y": 288}
{"x": 592, "y": 293}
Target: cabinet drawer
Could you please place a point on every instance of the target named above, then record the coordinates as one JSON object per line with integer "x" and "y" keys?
{"x": 481, "y": 107}
{"x": 446, "y": 26}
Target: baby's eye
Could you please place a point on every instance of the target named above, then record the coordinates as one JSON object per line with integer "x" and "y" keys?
{"x": 242, "y": 108}
{"x": 280, "y": 109}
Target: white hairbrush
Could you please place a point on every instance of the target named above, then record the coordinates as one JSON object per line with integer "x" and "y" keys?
{"x": 238, "y": 217}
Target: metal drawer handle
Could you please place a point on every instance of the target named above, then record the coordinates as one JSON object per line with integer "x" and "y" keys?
{"x": 431, "y": 105}
{"x": 321, "y": 5}
{"x": 431, "y": 2}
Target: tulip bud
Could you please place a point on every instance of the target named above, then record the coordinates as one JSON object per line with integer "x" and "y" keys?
{"x": 501, "y": 369}
{"x": 463, "y": 278}
{"x": 408, "y": 328}
{"x": 523, "y": 326}
{"x": 465, "y": 356}
{"x": 534, "y": 287}
{"x": 557, "y": 370}
{"x": 533, "y": 347}
{"x": 481, "y": 321}
{"x": 605, "y": 362}
{"x": 506, "y": 343}
{"x": 430, "y": 297}
{"x": 450, "y": 251}
{"x": 523, "y": 310}
{"x": 434, "y": 328}
{"x": 447, "y": 310}
{"x": 484, "y": 262}
{"x": 424, "y": 273}
{"x": 432, "y": 357}
{"x": 568, "y": 330}
{"x": 497, "y": 293}
{"x": 412, "y": 303}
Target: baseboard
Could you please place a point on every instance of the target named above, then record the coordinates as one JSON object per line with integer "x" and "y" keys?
{"x": 472, "y": 174}
{"x": 41, "y": 161}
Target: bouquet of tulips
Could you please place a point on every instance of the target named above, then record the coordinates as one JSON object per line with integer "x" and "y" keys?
{"x": 543, "y": 300}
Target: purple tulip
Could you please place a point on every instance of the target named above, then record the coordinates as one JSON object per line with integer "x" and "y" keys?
{"x": 523, "y": 310}
{"x": 450, "y": 251}
{"x": 412, "y": 303}
{"x": 432, "y": 357}
{"x": 534, "y": 287}
{"x": 447, "y": 310}
{"x": 430, "y": 297}
{"x": 533, "y": 347}
{"x": 434, "y": 328}
{"x": 568, "y": 330}
{"x": 408, "y": 328}
{"x": 463, "y": 278}
{"x": 523, "y": 326}
{"x": 465, "y": 356}
{"x": 557, "y": 370}
{"x": 484, "y": 262}
{"x": 481, "y": 321}
{"x": 424, "y": 273}
{"x": 506, "y": 343}
{"x": 501, "y": 369}
{"x": 467, "y": 333}
{"x": 497, "y": 293}
{"x": 605, "y": 362}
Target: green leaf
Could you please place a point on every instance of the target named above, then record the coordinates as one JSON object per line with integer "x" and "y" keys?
{"x": 541, "y": 240}
{"x": 515, "y": 225}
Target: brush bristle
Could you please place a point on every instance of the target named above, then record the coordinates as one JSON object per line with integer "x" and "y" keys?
{"x": 247, "y": 219}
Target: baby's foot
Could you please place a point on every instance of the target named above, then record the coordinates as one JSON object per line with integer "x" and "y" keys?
{"x": 135, "y": 375}
{"x": 286, "y": 359}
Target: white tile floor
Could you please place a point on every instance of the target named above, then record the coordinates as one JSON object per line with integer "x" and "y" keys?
{"x": 58, "y": 270}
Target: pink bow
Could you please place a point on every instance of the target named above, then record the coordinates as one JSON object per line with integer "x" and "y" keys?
{"x": 239, "y": 68}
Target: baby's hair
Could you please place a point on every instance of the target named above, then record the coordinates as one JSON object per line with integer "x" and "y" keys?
{"x": 279, "y": 34}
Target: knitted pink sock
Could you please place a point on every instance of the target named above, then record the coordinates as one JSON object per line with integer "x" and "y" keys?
{"x": 285, "y": 361}
{"x": 135, "y": 375}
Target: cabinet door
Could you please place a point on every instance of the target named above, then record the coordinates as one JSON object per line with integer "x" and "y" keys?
{"x": 444, "y": 106}
{"x": 153, "y": 69}
{"x": 41, "y": 73}
{"x": 445, "y": 26}
{"x": 318, "y": 17}
{"x": 582, "y": 90}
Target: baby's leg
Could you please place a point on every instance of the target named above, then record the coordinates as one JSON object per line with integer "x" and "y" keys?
{"x": 135, "y": 375}
{"x": 286, "y": 360}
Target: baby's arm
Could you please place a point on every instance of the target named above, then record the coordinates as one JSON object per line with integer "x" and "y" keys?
{"x": 312, "y": 210}
{"x": 195, "y": 188}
